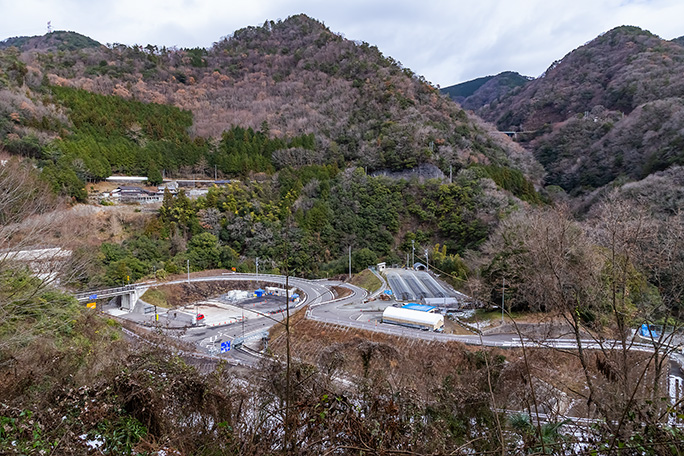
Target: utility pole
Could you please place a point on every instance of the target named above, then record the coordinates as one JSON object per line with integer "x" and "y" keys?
{"x": 427, "y": 260}
{"x": 413, "y": 257}
{"x": 451, "y": 175}
{"x": 503, "y": 292}
{"x": 288, "y": 402}
{"x": 257, "y": 270}
{"x": 350, "y": 263}
{"x": 188, "y": 272}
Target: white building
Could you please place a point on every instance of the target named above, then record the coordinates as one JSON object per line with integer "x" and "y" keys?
{"x": 413, "y": 318}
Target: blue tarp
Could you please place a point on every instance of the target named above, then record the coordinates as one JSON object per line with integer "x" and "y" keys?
{"x": 649, "y": 331}
{"x": 259, "y": 293}
{"x": 420, "y": 307}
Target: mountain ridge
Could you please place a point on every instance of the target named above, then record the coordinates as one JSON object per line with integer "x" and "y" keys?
{"x": 291, "y": 77}
{"x": 590, "y": 111}
{"x": 59, "y": 40}
{"x": 476, "y": 93}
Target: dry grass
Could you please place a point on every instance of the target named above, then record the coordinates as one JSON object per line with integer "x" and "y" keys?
{"x": 366, "y": 280}
{"x": 155, "y": 297}
{"x": 423, "y": 366}
{"x": 86, "y": 225}
{"x": 409, "y": 363}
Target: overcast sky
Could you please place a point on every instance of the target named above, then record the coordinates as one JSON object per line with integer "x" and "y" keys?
{"x": 447, "y": 41}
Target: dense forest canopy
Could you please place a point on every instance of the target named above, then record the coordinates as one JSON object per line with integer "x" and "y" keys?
{"x": 318, "y": 211}
{"x": 58, "y": 40}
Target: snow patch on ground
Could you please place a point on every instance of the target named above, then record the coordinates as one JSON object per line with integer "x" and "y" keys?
{"x": 94, "y": 443}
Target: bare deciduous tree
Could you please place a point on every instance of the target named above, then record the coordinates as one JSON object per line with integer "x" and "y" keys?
{"x": 592, "y": 276}
{"x": 28, "y": 267}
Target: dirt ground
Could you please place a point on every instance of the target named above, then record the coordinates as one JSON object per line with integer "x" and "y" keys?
{"x": 181, "y": 294}
{"x": 100, "y": 187}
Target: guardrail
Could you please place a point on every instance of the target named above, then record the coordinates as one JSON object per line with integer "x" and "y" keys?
{"x": 253, "y": 336}
{"x": 193, "y": 354}
{"x": 104, "y": 293}
{"x": 566, "y": 344}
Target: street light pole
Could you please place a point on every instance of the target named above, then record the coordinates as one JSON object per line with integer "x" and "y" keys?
{"x": 413, "y": 256}
{"x": 257, "y": 269}
{"x": 427, "y": 260}
{"x": 188, "y": 263}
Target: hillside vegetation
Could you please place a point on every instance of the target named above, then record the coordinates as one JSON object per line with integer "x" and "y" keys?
{"x": 56, "y": 41}
{"x": 303, "y": 117}
{"x": 321, "y": 99}
{"x": 306, "y": 220}
{"x": 609, "y": 109}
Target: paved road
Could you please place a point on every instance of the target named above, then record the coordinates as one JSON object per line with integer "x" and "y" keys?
{"x": 322, "y": 306}
{"x": 347, "y": 316}
{"x": 316, "y": 292}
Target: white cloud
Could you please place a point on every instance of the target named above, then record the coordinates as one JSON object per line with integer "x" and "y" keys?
{"x": 447, "y": 42}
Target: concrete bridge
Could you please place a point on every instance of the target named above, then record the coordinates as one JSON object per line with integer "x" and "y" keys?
{"x": 129, "y": 295}
{"x": 514, "y": 134}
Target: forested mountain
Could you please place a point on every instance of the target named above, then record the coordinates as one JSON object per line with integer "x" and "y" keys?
{"x": 610, "y": 108}
{"x": 286, "y": 79}
{"x": 302, "y": 116}
{"x": 296, "y": 77}
{"x": 481, "y": 91}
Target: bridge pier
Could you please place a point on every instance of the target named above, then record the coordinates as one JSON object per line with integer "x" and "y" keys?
{"x": 129, "y": 300}
{"x": 126, "y": 302}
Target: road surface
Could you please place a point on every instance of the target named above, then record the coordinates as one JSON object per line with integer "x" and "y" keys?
{"x": 321, "y": 305}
